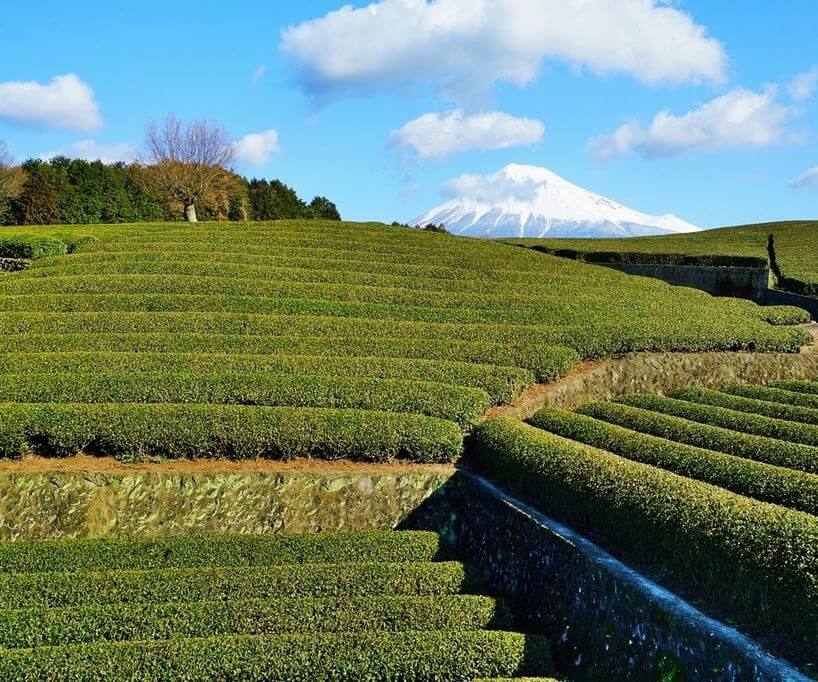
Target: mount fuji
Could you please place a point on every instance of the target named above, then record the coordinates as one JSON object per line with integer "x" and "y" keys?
{"x": 530, "y": 201}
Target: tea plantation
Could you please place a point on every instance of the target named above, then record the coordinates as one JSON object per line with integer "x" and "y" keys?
{"x": 795, "y": 247}
{"x": 311, "y": 339}
{"x": 349, "y": 606}
{"x": 715, "y": 491}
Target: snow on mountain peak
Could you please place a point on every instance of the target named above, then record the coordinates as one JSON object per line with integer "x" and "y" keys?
{"x": 530, "y": 201}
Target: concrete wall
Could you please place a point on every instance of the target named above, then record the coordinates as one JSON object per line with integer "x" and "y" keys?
{"x": 778, "y": 297}
{"x": 739, "y": 282}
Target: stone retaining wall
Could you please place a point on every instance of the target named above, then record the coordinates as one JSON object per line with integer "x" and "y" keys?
{"x": 87, "y": 504}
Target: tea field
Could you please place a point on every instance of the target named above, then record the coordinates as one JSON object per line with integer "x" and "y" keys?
{"x": 715, "y": 492}
{"x": 374, "y": 605}
{"x": 312, "y": 339}
{"x": 795, "y": 246}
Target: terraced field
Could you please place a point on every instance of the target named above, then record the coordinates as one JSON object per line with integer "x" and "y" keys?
{"x": 795, "y": 245}
{"x": 378, "y": 605}
{"x": 313, "y": 339}
{"x": 715, "y": 492}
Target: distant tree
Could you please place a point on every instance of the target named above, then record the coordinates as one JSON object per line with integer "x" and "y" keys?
{"x": 431, "y": 227}
{"x": 273, "y": 200}
{"x": 38, "y": 202}
{"x": 323, "y": 209}
{"x": 186, "y": 162}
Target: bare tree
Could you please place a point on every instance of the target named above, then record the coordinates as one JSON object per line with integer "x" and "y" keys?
{"x": 187, "y": 161}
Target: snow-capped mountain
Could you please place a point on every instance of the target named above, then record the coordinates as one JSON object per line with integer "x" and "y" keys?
{"x": 530, "y": 201}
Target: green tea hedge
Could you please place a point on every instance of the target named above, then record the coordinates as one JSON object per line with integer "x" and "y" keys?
{"x": 774, "y": 395}
{"x": 756, "y": 561}
{"x": 409, "y": 656}
{"x": 190, "y": 551}
{"x": 223, "y": 583}
{"x": 759, "y": 425}
{"x": 808, "y": 387}
{"x": 706, "y": 396}
{"x": 122, "y": 622}
{"x": 456, "y": 403}
{"x": 759, "y": 448}
{"x": 231, "y": 431}
{"x": 779, "y": 485}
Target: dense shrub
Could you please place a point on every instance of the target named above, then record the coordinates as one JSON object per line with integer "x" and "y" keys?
{"x": 759, "y": 448}
{"x": 808, "y": 387}
{"x": 189, "y": 551}
{"x": 794, "y": 489}
{"x": 31, "y": 246}
{"x": 706, "y": 396}
{"x": 120, "y": 622}
{"x": 79, "y": 588}
{"x": 754, "y": 560}
{"x": 410, "y": 656}
{"x": 759, "y": 425}
{"x": 235, "y": 432}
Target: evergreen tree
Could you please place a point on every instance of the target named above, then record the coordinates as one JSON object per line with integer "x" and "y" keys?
{"x": 323, "y": 209}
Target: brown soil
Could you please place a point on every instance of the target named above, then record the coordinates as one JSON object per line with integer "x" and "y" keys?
{"x": 85, "y": 463}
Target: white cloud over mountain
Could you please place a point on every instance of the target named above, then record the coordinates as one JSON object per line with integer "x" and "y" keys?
{"x": 255, "y": 149}
{"x": 739, "y": 118}
{"x": 91, "y": 150}
{"x": 66, "y": 103}
{"x": 440, "y": 135}
{"x": 465, "y": 46}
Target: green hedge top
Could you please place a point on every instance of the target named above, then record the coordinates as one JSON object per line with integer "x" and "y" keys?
{"x": 31, "y": 246}
{"x": 180, "y": 551}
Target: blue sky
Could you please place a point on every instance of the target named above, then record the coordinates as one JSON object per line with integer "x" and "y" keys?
{"x": 496, "y": 82}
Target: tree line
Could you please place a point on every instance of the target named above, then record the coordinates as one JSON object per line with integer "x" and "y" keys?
{"x": 182, "y": 173}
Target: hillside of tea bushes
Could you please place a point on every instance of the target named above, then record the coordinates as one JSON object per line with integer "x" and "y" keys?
{"x": 795, "y": 245}
{"x": 714, "y": 491}
{"x": 348, "y": 606}
{"x": 330, "y": 340}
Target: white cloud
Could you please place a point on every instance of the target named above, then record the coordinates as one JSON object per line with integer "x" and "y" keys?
{"x": 803, "y": 86}
{"x": 809, "y": 180}
{"x": 90, "y": 150}
{"x": 66, "y": 102}
{"x": 740, "y": 118}
{"x": 491, "y": 189}
{"x": 255, "y": 149}
{"x": 439, "y": 135}
{"x": 467, "y": 45}
{"x": 258, "y": 73}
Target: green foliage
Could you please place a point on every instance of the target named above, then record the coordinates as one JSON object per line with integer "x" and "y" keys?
{"x": 805, "y": 387}
{"x": 775, "y": 395}
{"x": 192, "y": 551}
{"x": 322, "y": 208}
{"x": 759, "y": 425}
{"x": 231, "y": 431}
{"x": 409, "y": 656}
{"x": 758, "y": 448}
{"x": 166, "y": 585}
{"x": 794, "y": 489}
{"x": 456, "y": 403}
{"x": 122, "y": 622}
{"x": 706, "y": 396}
{"x": 273, "y": 200}
{"x": 753, "y": 560}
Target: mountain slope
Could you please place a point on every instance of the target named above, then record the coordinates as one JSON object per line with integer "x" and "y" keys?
{"x": 529, "y": 201}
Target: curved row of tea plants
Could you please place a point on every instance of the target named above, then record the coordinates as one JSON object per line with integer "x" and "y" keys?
{"x": 657, "y": 505}
{"x": 311, "y": 339}
{"x": 349, "y": 606}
